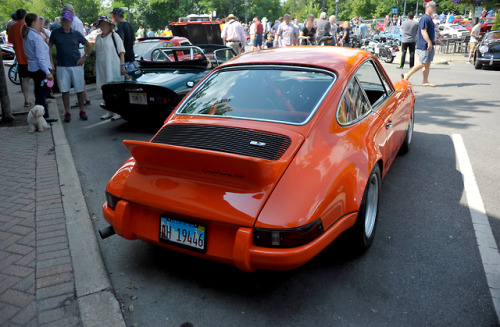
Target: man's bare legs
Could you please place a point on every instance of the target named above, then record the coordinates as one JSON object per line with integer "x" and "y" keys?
{"x": 415, "y": 69}
{"x": 65, "y": 99}
{"x": 81, "y": 101}
{"x": 25, "y": 87}
{"x": 426, "y": 71}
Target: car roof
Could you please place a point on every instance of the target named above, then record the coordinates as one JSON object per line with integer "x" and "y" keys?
{"x": 338, "y": 59}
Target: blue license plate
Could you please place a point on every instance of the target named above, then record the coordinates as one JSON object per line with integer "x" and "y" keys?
{"x": 183, "y": 233}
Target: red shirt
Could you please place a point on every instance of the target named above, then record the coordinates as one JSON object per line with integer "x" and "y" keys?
{"x": 16, "y": 39}
{"x": 259, "y": 28}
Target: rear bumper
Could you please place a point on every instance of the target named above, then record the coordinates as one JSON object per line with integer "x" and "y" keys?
{"x": 228, "y": 244}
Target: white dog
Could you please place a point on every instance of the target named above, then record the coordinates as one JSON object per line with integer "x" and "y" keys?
{"x": 36, "y": 120}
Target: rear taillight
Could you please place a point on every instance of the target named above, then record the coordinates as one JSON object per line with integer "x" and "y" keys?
{"x": 288, "y": 238}
{"x": 112, "y": 200}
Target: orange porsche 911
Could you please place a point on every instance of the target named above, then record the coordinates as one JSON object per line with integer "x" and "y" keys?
{"x": 267, "y": 160}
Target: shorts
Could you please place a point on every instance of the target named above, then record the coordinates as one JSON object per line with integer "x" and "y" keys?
{"x": 473, "y": 46}
{"x": 70, "y": 75}
{"x": 22, "y": 70}
{"x": 258, "y": 40}
{"x": 425, "y": 56}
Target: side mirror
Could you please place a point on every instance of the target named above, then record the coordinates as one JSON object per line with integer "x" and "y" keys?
{"x": 190, "y": 84}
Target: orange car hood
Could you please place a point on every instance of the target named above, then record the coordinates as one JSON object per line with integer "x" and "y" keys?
{"x": 192, "y": 182}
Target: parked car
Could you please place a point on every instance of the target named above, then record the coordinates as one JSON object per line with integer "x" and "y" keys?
{"x": 393, "y": 32}
{"x": 268, "y": 160}
{"x": 93, "y": 35}
{"x": 167, "y": 75}
{"x": 453, "y": 31}
{"x": 488, "y": 50}
{"x": 487, "y": 23}
{"x": 467, "y": 24}
{"x": 145, "y": 46}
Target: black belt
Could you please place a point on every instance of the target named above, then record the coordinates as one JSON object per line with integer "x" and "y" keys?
{"x": 234, "y": 41}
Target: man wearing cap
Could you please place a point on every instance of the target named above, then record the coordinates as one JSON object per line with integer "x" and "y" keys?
{"x": 70, "y": 62}
{"x": 77, "y": 25}
{"x": 126, "y": 32}
{"x": 234, "y": 34}
{"x": 451, "y": 18}
{"x": 425, "y": 44}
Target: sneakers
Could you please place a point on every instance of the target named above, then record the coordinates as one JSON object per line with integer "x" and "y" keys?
{"x": 83, "y": 115}
{"x": 116, "y": 117}
{"x": 107, "y": 115}
{"x": 85, "y": 103}
{"x": 469, "y": 62}
{"x": 67, "y": 118}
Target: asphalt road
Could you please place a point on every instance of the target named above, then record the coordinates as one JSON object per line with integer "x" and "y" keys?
{"x": 423, "y": 269}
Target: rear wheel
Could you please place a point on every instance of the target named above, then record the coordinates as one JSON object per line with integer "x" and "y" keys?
{"x": 363, "y": 231}
{"x": 405, "y": 147}
{"x": 389, "y": 59}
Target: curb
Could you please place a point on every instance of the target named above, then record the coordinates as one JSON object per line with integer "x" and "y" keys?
{"x": 98, "y": 306}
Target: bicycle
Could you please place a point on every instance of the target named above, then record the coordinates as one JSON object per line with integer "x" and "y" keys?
{"x": 14, "y": 73}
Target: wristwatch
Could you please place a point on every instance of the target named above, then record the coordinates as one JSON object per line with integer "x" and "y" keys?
{"x": 85, "y": 55}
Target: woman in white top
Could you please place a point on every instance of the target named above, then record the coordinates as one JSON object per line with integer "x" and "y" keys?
{"x": 110, "y": 57}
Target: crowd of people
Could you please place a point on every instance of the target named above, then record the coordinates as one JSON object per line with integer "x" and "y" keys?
{"x": 34, "y": 38}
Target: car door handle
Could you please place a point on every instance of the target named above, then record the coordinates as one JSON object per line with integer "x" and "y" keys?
{"x": 388, "y": 125}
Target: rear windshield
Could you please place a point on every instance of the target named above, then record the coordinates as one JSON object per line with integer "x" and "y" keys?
{"x": 284, "y": 95}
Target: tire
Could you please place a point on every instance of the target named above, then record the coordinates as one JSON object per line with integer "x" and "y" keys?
{"x": 363, "y": 231}
{"x": 405, "y": 147}
{"x": 14, "y": 75}
{"x": 389, "y": 59}
{"x": 478, "y": 64}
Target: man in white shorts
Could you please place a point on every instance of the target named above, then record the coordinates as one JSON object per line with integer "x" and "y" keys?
{"x": 70, "y": 62}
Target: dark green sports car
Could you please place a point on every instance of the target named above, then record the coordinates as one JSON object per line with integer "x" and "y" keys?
{"x": 164, "y": 79}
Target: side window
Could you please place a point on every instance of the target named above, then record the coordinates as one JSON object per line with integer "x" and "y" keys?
{"x": 375, "y": 88}
{"x": 353, "y": 105}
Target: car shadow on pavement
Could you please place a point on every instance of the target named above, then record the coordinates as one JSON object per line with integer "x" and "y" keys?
{"x": 424, "y": 251}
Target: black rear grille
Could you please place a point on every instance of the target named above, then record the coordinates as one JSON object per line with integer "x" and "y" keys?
{"x": 225, "y": 139}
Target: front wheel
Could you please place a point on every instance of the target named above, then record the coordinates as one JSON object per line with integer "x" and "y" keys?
{"x": 14, "y": 75}
{"x": 389, "y": 59}
{"x": 478, "y": 64}
{"x": 405, "y": 147}
{"x": 363, "y": 231}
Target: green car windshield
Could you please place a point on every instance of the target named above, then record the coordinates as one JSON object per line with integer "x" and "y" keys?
{"x": 286, "y": 95}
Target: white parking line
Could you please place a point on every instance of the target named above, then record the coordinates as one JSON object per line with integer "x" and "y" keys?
{"x": 484, "y": 236}
{"x": 97, "y": 124}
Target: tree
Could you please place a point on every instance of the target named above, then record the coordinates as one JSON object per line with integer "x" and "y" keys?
{"x": 4, "y": 96}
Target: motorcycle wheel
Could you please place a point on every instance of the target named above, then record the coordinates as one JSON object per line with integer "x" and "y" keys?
{"x": 389, "y": 59}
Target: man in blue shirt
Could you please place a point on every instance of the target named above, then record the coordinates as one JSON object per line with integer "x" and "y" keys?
{"x": 70, "y": 62}
{"x": 441, "y": 18}
{"x": 425, "y": 44}
{"x": 451, "y": 18}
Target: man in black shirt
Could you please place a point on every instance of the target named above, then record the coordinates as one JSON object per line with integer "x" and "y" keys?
{"x": 127, "y": 34}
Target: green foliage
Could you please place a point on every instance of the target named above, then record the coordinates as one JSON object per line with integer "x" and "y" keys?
{"x": 496, "y": 23}
{"x": 86, "y": 10}
{"x": 300, "y": 9}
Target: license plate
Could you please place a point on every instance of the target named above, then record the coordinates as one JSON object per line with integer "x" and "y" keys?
{"x": 138, "y": 98}
{"x": 183, "y": 233}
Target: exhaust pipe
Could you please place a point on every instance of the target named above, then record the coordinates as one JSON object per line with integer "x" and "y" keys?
{"x": 107, "y": 232}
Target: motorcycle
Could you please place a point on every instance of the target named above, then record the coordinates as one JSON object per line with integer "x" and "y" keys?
{"x": 385, "y": 51}
{"x": 8, "y": 52}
